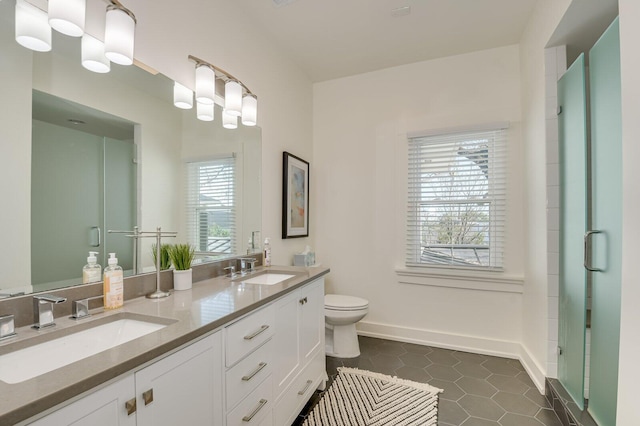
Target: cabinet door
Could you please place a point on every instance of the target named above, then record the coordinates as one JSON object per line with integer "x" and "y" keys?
{"x": 105, "y": 407}
{"x": 184, "y": 388}
{"x": 311, "y": 319}
{"x": 285, "y": 340}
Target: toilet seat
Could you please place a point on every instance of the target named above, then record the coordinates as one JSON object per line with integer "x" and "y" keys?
{"x": 338, "y": 302}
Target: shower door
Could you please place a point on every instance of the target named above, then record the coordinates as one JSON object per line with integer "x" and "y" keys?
{"x": 606, "y": 253}
{"x": 572, "y": 131}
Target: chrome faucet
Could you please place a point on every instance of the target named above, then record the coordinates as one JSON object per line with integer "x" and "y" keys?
{"x": 232, "y": 272}
{"x": 247, "y": 265}
{"x": 7, "y": 327}
{"x": 43, "y": 309}
{"x": 80, "y": 308}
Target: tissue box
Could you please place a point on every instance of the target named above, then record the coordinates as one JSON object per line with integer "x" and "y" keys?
{"x": 304, "y": 259}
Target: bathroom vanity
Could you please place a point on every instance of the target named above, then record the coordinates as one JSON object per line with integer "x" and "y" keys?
{"x": 228, "y": 353}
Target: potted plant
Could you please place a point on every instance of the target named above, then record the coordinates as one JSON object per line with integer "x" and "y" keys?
{"x": 165, "y": 260}
{"x": 181, "y": 256}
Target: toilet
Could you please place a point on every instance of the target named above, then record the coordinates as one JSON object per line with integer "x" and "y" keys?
{"x": 341, "y": 313}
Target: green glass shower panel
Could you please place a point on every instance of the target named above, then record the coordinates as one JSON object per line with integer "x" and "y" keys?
{"x": 606, "y": 164}
{"x": 572, "y": 132}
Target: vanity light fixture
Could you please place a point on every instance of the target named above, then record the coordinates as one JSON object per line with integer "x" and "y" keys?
{"x": 205, "y": 83}
{"x": 182, "y": 96}
{"x": 67, "y": 16}
{"x": 249, "y": 110}
{"x": 233, "y": 97}
{"x": 229, "y": 121}
{"x": 119, "y": 33}
{"x": 205, "y": 111}
{"x": 238, "y": 99}
{"x": 93, "y": 57}
{"x": 32, "y": 27}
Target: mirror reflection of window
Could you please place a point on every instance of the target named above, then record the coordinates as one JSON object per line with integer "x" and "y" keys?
{"x": 211, "y": 205}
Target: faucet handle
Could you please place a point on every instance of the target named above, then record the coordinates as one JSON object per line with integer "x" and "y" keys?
{"x": 7, "y": 327}
{"x": 232, "y": 271}
{"x": 247, "y": 264}
{"x": 80, "y": 308}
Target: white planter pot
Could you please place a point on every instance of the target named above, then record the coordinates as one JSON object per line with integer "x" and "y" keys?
{"x": 182, "y": 279}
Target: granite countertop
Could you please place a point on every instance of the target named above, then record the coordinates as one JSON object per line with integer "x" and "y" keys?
{"x": 208, "y": 306}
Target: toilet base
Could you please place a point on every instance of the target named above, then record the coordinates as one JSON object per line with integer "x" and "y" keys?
{"x": 341, "y": 341}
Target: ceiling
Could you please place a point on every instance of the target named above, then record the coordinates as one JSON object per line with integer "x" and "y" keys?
{"x": 330, "y": 39}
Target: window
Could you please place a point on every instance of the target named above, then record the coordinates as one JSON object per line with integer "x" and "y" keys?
{"x": 211, "y": 205}
{"x": 456, "y": 202}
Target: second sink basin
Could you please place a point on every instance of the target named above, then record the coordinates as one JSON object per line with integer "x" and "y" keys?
{"x": 268, "y": 279}
{"x": 91, "y": 338}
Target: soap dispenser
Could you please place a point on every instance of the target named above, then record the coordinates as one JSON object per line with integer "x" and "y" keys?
{"x": 92, "y": 270}
{"x": 267, "y": 252}
{"x": 113, "y": 284}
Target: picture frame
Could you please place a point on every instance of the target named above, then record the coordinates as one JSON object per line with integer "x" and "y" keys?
{"x": 295, "y": 196}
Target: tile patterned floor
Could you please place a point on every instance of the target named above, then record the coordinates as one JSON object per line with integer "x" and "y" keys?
{"x": 479, "y": 390}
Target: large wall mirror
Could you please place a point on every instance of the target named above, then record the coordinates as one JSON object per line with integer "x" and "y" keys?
{"x": 85, "y": 153}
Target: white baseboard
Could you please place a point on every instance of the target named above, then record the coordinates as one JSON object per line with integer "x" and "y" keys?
{"x": 480, "y": 345}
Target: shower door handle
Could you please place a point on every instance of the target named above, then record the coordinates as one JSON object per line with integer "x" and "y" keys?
{"x": 587, "y": 236}
{"x": 97, "y": 228}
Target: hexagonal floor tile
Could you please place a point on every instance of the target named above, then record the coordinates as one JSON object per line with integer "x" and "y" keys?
{"x": 516, "y": 403}
{"x": 478, "y": 406}
{"x": 419, "y": 349}
{"x": 451, "y": 391}
{"x": 470, "y": 357}
{"x": 548, "y": 417}
{"x": 535, "y": 396}
{"x": 413, "y": 373}
{"x": 476, "y": 387}
{"x": 386, "y": 364}
{"x": 500, "y": 366}
{"x": 475, "y": 421}
{"x": 444, "y": 372}
{"x": 442, "y": 356}
{"x": 511, "y": 419}
{"x": 450, "y": 412}
{"x": 508, "y": 384}
{"x": 470, "y": 369}
{"x": 391, "y": 348}
{"x": 415, "y": 359}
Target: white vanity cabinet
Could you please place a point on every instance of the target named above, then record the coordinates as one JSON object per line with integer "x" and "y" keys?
{"x": 182, "y": 388}
{"x": 300, "y": 366}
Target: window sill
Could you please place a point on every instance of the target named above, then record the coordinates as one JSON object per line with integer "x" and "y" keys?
{"x": 471, "y": 280}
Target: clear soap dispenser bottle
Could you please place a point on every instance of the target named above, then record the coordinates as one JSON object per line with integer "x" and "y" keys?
{"x": 92, "y": 271}
{"x": 113, "y": 284}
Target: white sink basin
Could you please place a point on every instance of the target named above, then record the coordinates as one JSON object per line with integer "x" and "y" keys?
{"x": 268, "y": 279}
{"x": 27, "y": 363}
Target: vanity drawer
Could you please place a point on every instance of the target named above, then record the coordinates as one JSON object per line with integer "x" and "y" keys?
{"x": 298, "y": 393}
{"x": 255, "y": 408}
{"x": 247, "y": 334}
{"x": 245, "y": 376}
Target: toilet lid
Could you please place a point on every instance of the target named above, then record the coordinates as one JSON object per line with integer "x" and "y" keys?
{"x": 344, "y": 303}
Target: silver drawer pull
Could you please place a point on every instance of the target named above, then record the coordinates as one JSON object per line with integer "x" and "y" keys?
{"x": 255, "y": 411}
{"x": 252, "y": 335}
{"x": 254, "y": 372}
{"x": 304, "y": 390}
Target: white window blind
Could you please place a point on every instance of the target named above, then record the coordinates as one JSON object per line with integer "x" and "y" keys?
{"x": 457, "y": 200}
{"x": 211, "y": 204}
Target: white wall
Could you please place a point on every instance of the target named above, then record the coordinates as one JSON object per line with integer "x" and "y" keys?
{"x": 218, "y": 31}
{"x": 535, "y": 324}
{"x": 360, "y": 128}
{"x": 629, "y": 375}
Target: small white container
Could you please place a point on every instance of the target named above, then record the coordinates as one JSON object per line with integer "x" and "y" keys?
{"x": 182, "y": 280}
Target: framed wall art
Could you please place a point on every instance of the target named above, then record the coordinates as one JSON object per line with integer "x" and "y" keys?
{"x": 295, "y": 196}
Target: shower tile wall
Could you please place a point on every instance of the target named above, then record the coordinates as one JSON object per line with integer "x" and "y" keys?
{"x": 555, "y": 66}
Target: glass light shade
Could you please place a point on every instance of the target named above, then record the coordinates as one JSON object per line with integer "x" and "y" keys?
{"x": 93, "y": 57}
{"x": 182, "y": 96}
{"x": 233, "y": 98}
{"x": 119, "y": 35}
{"x": 204, "y": 111}
{"x": 32, "y": 27}
{"x": 229, "y": 121}
{"x": 249, "y": 110}
{"x": 67, "y": 16}
{"x": 205, "y": 84}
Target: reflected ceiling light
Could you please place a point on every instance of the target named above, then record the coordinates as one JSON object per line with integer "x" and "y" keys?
{"x": 182, "y": 96}
{"x": 205, "y": 84}
{"x": 249, "y": 110}
{"x": 67, "y": 16}
{"x": 32, "y": 27}
{"x": 238, "y": 99}
{"x": 233, "y": 98}
{"x": 204, "y": 111}
{"x": 229, "y": 121}
{"x": 119, "y": 34}
{"x": 93, "y": 57}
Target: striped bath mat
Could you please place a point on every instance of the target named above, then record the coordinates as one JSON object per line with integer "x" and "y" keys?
{"x": 362, "y": 398}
